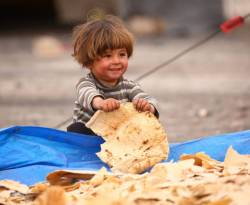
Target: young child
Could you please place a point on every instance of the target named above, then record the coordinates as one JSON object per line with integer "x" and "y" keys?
{"x": 104, "y": 46}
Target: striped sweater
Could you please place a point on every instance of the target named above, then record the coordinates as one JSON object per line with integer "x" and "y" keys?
{"x": 89, "y": 87}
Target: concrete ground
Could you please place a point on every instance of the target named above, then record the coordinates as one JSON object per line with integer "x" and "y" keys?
{"x": 206, "y": 92}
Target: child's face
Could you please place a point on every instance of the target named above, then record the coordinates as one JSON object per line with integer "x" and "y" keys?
{"x": 110, "y": 66}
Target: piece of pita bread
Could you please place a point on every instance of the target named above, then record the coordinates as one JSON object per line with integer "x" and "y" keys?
{"x": 135, "y": 141}
{"x": 203, "y": 160}
{"x": 66, "y": 177}
{"x": 235, "y": 162}
{"x": 14, "y": 185}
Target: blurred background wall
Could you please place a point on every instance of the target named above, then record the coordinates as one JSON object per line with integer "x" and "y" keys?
{"x": 169, "y": 13}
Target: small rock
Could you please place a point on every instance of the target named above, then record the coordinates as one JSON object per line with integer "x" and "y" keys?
{"x": 203, "y": 113}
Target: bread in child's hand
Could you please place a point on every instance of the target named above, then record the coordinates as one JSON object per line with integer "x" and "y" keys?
{"x": 135, "y": 141}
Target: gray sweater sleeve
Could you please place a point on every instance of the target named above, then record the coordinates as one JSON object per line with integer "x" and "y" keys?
{"x": 135, "y": 92}
{"x": 86, "y": 91}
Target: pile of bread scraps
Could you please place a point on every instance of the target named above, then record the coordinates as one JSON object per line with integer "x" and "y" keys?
{"x": 195, "y": 179}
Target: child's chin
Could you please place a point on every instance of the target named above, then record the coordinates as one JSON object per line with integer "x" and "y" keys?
{"x": 115, "y": 76}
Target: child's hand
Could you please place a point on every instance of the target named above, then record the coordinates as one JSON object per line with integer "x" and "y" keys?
{"x": 107, "y": 105}
{"x": 143, "y": 105}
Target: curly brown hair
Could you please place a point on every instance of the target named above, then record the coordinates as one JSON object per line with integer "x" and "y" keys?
{"x": 93, "y": 38}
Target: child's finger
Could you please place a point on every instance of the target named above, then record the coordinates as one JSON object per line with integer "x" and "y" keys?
{"x": 135, "y": 103}
{"x": 106, "y": 107}
{"x": 138, "y": 104}
{"x": 117, "y": 104}
{"x": 146, "y": 107}
{"x": 111, "y": 105}
{"x": 142, "y": 104}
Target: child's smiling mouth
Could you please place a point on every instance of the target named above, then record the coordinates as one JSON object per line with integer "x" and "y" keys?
{"x": 115, "y": 69}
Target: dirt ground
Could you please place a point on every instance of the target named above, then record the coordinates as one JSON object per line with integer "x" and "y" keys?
{"x": 206, "y": 92}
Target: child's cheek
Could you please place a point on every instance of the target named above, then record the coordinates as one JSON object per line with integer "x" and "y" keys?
{"x": 125, "y": 64}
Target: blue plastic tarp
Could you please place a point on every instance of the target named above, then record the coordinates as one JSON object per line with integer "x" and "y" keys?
{"x": 28, "y": 154}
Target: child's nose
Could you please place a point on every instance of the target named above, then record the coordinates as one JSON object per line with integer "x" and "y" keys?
{"x": 116, "y": 59}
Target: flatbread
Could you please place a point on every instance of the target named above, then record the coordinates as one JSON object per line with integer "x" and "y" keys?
{"x": 135, "y": 141}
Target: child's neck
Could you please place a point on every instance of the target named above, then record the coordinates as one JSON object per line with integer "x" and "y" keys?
{"x": 108, "y": 84}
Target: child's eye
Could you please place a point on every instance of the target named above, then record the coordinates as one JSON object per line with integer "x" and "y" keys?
{"x": 106, "y": 55}
{"x": 123, "y": 54}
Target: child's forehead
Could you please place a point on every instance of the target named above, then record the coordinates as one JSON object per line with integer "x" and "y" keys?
{"x": 115, "y": 50}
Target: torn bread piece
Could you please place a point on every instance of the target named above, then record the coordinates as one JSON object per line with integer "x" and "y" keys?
{"x": 235, "y": 163}
{"x": 67, "y": 177}
{"x": 14, "y": 185}
{"x": 135, "y": 141}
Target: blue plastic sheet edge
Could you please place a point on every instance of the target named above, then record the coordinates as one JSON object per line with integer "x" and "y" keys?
{"x": 29, "y": 153}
